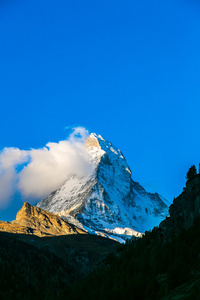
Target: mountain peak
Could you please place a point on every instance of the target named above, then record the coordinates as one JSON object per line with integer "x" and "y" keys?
{"x": 108, "y": 201}
{"x": 92, "y": 141}
{"x": 99, "y": 147}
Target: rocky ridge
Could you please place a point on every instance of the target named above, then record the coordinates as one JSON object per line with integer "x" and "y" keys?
{"x": 33, "y": 220}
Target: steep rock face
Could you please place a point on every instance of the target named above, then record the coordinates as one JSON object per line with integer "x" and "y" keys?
{"x": 33, "y": 220}
{"x": 107, "y": 201}
{"x": 184, "y": 209}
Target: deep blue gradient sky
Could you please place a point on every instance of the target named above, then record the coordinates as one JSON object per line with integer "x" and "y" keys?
{"x": 129, "y": 71}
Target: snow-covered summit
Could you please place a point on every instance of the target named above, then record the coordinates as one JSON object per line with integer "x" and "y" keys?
{"x": 99, "y": 147}
{"x": 107, "y": 199}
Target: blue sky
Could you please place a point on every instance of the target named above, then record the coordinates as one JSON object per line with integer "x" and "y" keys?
{"x": 129, "y": 71}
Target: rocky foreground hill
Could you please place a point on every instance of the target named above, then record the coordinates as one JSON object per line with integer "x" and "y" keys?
{"x": 33, "y": 220}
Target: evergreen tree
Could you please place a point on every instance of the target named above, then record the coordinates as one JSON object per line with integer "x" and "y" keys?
{"x": 191, "y": 172}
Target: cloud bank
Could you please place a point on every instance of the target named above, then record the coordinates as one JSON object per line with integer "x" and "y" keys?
{"x": 37, "y": 172}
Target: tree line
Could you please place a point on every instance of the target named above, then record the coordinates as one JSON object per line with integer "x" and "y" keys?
{"x": 192, "y": 172}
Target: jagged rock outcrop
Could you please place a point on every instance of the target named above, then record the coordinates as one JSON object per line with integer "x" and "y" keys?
{"x": 33, "y": 220}
{"x": 108, "y": 201}
{"x": 184, "y": 209}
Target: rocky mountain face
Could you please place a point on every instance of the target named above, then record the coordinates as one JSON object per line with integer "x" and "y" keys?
{"x": 107, "y": 202}
{"x": 33, "y": 220}
{"x": 184, "y": 210}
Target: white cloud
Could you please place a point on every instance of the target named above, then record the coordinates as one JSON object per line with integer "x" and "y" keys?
{"x": 9, "y": 159}
{"x": 79, "y": 134}
{"x": 7, "y": 187}
{"x": 46, "y": 169}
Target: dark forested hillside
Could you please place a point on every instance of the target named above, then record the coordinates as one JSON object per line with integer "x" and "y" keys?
{"x": 148, "y": 269}
{"x": 41, "y": 268}
{"x": 27, "y": 272}
{"x": 145, "y": 269}
{"x": 163, "y": 264}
